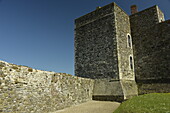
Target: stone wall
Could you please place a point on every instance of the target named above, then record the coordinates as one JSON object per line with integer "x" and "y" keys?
{"x": 101, "y": 44}
{"x": 95, "y": 44}
{"x": 102, "y": 52}
{"x": 152, "y": 55}
{"x": 140, "y": 22}
{"x": 114, "y": 90}
{"x": 152, "y": 59}
{"x": 143, "y": 20}
{"x": 124, "y": 50}
{"x": 153, "y": 87}
{"x": 151, "y": 42}
{"x": 143, "y": 37}
{"x": 27, "y": 90}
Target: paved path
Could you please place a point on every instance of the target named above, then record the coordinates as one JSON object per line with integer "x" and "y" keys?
{"x": 92, "y": 107}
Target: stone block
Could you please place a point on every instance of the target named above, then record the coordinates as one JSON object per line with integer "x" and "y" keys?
{"x": 114, "y": 90}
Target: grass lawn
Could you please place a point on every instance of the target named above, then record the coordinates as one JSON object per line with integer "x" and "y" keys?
{"x": 148, "y": 103}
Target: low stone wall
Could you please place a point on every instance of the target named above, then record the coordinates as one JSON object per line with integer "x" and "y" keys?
{"x": 153, "y": 86}
{"x": 114, "y": 90}
{"x": 27, "y": 90}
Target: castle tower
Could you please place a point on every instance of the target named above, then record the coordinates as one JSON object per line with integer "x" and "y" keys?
{"x": 151, "y": 43}
{"x": 103, "y": 51}
{"x": 142, "y": 22}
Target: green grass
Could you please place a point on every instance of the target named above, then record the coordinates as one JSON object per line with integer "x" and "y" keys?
{"x": 148, "y": 103}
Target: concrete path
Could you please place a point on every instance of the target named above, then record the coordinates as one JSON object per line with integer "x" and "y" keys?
{"x": 92, "y": 107}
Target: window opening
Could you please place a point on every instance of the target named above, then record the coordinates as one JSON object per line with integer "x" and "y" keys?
{"x": 131, "y": 63}
{"x": 129, "y": 41}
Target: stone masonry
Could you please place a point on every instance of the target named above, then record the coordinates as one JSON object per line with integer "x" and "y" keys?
{"x": 95, "y": 51}
{"x": 27, "y": 90}
{"x": 113, "y": 52}
{"x": 151, "y": 43}
{"x": 103, "y": 51}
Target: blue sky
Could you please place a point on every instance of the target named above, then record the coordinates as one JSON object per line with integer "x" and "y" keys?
{"x": 40, "y": 33}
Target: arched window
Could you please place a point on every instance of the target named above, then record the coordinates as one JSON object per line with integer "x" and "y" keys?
{"x": 129, "y": 41}
{"x": 131, "y": 62}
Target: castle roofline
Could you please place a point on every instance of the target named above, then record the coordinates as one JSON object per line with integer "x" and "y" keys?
{"x": 94, "y": 11}
{"x": 144, "y": 10}
{"x": 99, "y": 8}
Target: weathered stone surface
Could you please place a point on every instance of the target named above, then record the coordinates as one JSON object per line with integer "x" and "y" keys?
{"x": 114, "y": 90}
{"x": 103, "y": 51}
{"x": 95, "y": 44}
{"x": 152, "y": 53}
{"x": 107, "y": 87}
{"x": 129, "y": 88}
{"x": 26, "y": 90}
{"x": 158, "y": 87}
{"x": 101, "y": 47}
{"x": 145, "y": 19}
{"x": 124, "y": 51}
{"x": 151, "y": 43}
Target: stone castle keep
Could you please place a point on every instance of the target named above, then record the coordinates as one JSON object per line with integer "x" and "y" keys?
{"x": 117, "y": 56}
{"x": 103, "y": 51}
{"x": 108, "y": 41}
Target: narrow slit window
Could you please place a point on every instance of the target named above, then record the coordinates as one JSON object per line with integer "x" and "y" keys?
{"x": 131, "y": 63}
{"x": 129, "y": 41}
